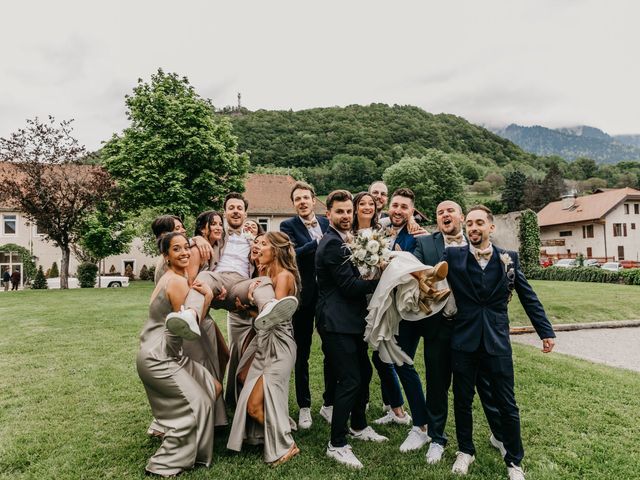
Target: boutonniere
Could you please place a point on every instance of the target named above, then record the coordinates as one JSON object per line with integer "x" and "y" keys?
{"x": 249, "y": 236}
{"x": 506, "y": 260}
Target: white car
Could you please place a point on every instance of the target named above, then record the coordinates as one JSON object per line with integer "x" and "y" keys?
{"x": 566, "y": 263}
{"x": 612, "y": 266}
{"x": 105, "y": 282}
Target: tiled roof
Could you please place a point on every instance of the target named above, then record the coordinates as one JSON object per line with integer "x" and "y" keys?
{"x": 271, "y": 195}
{"x": 587, "y": 208}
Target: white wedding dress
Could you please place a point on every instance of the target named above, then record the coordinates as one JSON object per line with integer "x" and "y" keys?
{"x": 397, "y": 298}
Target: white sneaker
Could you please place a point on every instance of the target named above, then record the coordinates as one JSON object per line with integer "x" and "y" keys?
{"x": 461, "y": 465}
{"x": 183, "y": 324}
{"x": 415, "y": 440}
{"x": 495, "y": 443}
{"x": 326, "y": 413}
{"x": 368, "y": 434}
{"x": 391, "y": 417}
{"x": 304, "y": 419}
{"x": 275, "y": 312}
{"x": 515, "y": 472}
{"x": 434, "y": 454}
{"x": 344, "y": 455}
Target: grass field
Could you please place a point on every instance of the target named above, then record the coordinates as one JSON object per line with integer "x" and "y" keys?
{"x": 72, "y": 406}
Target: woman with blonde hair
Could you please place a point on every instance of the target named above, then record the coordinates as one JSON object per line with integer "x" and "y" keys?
{"x": 265, "y": 394}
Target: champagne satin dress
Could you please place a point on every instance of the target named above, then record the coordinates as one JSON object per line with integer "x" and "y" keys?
{"x": 181, "y": 393}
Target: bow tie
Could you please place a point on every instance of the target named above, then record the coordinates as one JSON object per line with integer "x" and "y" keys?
{"x": 234, "y": 231}
{"x": 483, "y": 254}
{"x": 311, "y": 223}
{"x": 456, "y": 239}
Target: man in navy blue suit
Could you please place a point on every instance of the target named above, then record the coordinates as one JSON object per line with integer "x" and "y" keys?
{"x": 340, "y": 314}
{"x": 436, "y": 332}
{"x": 305, "y": 231}
{"x": 482, "y": 278}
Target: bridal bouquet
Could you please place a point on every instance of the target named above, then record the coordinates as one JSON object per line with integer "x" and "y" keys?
{"x": 368, "y": 250}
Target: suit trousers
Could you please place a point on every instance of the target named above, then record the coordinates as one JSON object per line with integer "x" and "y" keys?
{"x": 303, "y": 334}
{"x": 499, "y": 370}
{"x": 329, "y": 394}
{"x": 348, "y": 357}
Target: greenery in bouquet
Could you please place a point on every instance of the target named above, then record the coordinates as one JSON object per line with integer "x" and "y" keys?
{"x": 368, "y": 250}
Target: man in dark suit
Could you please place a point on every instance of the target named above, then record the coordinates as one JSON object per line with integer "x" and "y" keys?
{"x": 380, "y": 193}
{"x": 305, "y": 231}
{"x": 482, "y": 279}
{"x": 436, "y": 331}
{"x": 340, "y": 316}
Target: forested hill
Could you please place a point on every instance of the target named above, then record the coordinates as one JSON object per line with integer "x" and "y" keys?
{"x": 379, "y": 132}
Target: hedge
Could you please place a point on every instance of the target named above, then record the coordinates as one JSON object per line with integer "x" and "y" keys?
{"x": 586, "y": 274}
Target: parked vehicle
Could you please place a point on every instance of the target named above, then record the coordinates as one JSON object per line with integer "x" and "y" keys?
{"x": 612, "y": 266}
{"x": 566, "y": 263}
{"x": 629, "y": 264}
{"x": 105, "y": 282}
{"x": 591, "y": 262}
{"x": 546, "y": 262}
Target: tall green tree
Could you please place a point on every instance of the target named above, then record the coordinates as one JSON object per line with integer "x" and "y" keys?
{"x": 177, "y": 155}
{"x": 513, "y": 190}
{"x": 433, "y": 178}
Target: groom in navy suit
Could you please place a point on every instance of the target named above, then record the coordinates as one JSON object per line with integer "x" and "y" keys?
{"x": 305, "y": 231}
{"x": 483, "y": 278}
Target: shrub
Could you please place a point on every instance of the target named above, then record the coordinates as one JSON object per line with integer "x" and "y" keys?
{"x": 152, "y": 272}
{"x": 529, "y": 241}
{"x": 128, "y": 271}
{"x": 144, "y": 273}
{"x": 39, "y": 282}
{"x": 87, "y": 275}
{"x": 582, "y": 274}
{"x": 112, "y": 270}
{"x": 53, "y": 271}
{"x": 496, "y": 206}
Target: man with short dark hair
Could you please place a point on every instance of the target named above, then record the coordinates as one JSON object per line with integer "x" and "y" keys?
{"x": 482, "y": 278}
{"x": 305, "y": 231}
{"x": 233, "y": 274}
{"x": 340, "y": 313}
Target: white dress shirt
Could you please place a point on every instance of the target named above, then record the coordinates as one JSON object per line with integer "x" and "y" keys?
{"x": 235, "y": 257}
{"x": 314, "y": 232}
{"x": 483, "y": 262}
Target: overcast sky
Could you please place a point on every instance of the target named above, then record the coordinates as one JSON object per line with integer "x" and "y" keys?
{"x": 546, "y": 62}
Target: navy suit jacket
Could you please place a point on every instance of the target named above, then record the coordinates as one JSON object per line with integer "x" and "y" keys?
{"x": 342, "y": 294}
{"x": 305, "y": 253}
{"x": 405, "y": 241}
{"x": 482, "y": 298}
{"x": 430, "y": 250}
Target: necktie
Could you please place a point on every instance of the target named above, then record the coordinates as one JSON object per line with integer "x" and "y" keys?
{"x": 311, "y": 223}
{"x": 453, "y": 239}
{"x": 483, "y": 254}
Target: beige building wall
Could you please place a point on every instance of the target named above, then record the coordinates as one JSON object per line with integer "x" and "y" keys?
{"x": 45, "y": 253}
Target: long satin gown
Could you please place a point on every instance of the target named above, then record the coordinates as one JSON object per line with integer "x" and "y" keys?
{"x": 274, "y": 359}
{"x": 181, "y": 393}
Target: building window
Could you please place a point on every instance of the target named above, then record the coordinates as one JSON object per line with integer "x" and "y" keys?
{"x": 620, "y": 253}
{"x": 566, "y": 233}
{"x": 264, "y": 223}
{"x": 587, "y": 231}
{"x": 636, "y": 208}
{"x": 37, "y": 231}
{"x": 617, "y": 229}
{"x": 624, "y": 229}
{"x": 128, "y": 264}
{"x": 626, "y": 209}
{"x": 9, "y": 224}
{"x": 589, "y": 252}
{"x": 633, "y": 226}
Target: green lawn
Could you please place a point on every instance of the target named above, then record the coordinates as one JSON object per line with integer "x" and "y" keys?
{"x": 581, "y": 302}
{"x": 72, "y": 406}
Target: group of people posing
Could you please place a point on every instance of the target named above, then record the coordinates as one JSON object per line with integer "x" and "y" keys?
{"x": 276, "y": 285}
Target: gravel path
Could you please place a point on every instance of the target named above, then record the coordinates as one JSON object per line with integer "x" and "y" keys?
{"x": 617, "y": 347}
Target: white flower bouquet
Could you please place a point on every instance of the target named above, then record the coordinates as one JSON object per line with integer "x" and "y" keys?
{"x": 369, "y": 249}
